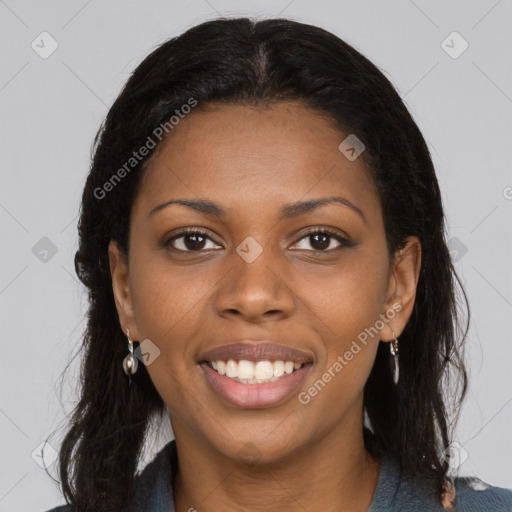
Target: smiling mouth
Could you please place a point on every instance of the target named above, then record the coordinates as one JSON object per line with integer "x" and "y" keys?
{"x": 254, "y": 372}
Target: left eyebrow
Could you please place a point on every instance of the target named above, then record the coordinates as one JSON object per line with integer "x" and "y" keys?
{"x": 288, "y": 211}
{"x": 299, "y": 208}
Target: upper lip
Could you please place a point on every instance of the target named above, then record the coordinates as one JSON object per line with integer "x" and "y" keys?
{"x": 256, "y": 351}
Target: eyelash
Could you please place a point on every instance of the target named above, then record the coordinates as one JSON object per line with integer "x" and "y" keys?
{"x": 311, "y": 231}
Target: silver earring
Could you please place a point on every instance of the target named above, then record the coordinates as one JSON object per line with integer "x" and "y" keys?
{"x": 129, "y": 362}
{"x": 393, "y": 348}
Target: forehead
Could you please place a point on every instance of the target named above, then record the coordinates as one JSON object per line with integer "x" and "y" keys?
{"x": 245, "y": 155}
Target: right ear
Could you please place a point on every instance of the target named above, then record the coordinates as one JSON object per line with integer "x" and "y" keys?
{"x": 121, "y": 289}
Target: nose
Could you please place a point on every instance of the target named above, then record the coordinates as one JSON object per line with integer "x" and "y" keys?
{"x": 256, "y": 291}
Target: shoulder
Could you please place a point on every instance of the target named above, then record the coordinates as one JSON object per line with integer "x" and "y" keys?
{"x": 474, "y": 495}
{"x": 397, "y": 493}
{"x": 153, "y": 490}
{"x": 153, "y": 487}
{"x": 471, "y": 495}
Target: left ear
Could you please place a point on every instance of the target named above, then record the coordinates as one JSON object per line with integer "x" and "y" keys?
{"x": 401, "y": 292}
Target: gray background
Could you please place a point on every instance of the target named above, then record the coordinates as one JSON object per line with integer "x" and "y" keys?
{"x": 50, "y": 109}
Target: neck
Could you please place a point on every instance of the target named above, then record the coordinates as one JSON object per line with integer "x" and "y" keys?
{"x": 333, "y": 474}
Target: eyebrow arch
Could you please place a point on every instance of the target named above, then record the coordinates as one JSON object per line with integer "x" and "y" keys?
{"x": 296, "y": 209}
{"x": 287, "y": 212}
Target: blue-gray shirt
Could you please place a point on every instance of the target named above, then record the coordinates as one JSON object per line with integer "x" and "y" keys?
{"x": 392, "y": 494}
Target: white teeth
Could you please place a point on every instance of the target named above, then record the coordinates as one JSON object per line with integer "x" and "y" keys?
{"x": 263, "y": 370}
{"x": 278, "y": 368}
{"x": 231, "y": 368}
{"x": 246, "y": 370}
{"x": 250, "y": 372}
{"x": 255, "y": 381}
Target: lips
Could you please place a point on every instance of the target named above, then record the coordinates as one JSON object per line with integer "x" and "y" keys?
{"x": 255, "y": 396}
{"x": 256, "y": 351}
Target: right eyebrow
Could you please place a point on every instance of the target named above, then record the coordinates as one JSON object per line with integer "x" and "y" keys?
{"x": 200, "y": 205}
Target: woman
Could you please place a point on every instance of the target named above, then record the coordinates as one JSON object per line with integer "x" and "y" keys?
{"x": 262, "y": 238}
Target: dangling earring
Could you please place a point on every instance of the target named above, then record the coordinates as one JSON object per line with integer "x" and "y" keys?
{"x": 393, "y": 348}
{"x": 129, "y": 362}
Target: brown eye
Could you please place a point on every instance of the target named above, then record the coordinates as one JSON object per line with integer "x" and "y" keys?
{"x": 191, "y": 241}
{"x": 322, "y": 240}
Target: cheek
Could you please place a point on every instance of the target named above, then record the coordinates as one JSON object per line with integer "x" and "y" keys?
{"x": 347, "y": 310}
{"x": 349, "y": 299}
{"x": 168, "y": 305}
{"x": 166, "y": 297}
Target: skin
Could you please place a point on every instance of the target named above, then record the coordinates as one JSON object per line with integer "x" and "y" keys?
{"x": 252, "y": 161}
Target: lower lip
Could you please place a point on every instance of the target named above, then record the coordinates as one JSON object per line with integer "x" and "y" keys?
{"x": 255, "y": 395}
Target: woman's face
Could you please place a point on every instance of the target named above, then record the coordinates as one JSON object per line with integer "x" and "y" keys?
{"x": 255, "y": 273}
